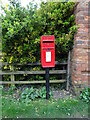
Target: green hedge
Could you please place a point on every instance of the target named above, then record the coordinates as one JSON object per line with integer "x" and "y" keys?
{"x": 22, "y": 29}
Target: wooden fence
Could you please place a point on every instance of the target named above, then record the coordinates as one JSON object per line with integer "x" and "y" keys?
{"x": 12, "y": 73}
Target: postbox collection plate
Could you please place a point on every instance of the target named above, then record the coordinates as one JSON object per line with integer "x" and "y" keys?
{"x": 48, "y": 51}
{"x": 48, "y": 56}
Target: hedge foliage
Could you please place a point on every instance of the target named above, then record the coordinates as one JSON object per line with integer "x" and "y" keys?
{"x": 22, "y": 29}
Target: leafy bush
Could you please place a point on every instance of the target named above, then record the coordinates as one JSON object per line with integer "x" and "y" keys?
{"x": 85, "y": 95}
{"x": 33, "y": 93}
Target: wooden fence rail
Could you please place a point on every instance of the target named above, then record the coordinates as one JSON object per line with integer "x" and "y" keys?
{"x": 32, "y": 64}
{"x": 33, "y": 72}
{"x": 31, "y": 82}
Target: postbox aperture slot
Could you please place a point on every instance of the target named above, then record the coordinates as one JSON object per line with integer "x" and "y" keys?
{"x": 48, "y": 41}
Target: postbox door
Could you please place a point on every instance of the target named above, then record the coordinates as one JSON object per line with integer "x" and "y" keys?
{"x": 48, "y": 58}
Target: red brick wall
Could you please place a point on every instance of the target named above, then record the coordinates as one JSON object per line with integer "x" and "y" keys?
{"x": 80, "y": 68}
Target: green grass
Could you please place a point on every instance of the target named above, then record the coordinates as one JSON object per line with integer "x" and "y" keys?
{"x": 41, "y": 108}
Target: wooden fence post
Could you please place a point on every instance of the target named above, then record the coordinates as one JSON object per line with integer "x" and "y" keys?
{"x": 12, "y": 75}
{"x": 63, "y": 76}
{"x": 68, "y": 71}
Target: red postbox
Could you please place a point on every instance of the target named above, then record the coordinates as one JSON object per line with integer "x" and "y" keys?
{"x": 48, "y": 51}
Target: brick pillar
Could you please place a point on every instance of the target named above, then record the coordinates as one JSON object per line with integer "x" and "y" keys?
{"x": 80, "y": 69}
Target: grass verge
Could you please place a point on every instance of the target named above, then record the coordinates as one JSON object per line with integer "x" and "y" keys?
{"x": 41, "y": 108}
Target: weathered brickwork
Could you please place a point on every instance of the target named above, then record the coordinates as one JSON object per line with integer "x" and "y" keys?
{"x": 80, "y": 67}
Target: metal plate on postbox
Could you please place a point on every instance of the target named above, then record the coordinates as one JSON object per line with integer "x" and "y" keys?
{"x": 48, "y": 56}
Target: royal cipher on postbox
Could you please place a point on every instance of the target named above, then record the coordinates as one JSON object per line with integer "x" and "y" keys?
{"x": 48, "y": 51}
